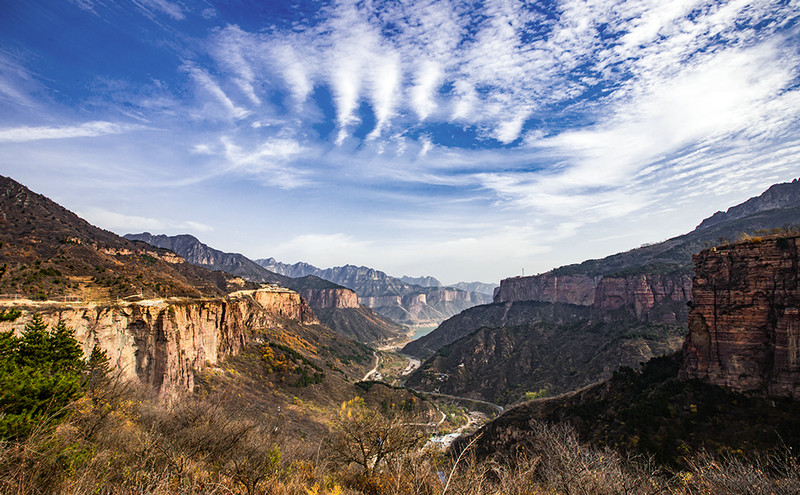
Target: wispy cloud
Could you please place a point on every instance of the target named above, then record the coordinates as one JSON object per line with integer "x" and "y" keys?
{"x": 268, "y": 161}
{"x": 122, "y": 223}
{"x": 89, "y": 129}
{"x": 172, "y": 9}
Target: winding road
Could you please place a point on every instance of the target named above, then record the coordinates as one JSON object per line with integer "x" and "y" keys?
{"x": 373, "y": 370}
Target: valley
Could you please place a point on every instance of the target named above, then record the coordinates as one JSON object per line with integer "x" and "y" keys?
{"x": 301, "y": 367}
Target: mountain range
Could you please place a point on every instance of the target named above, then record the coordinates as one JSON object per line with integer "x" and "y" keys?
{"x": 587, "y": 319}
{"x": 336, "y": 306}
{"x": 405, "y": 303}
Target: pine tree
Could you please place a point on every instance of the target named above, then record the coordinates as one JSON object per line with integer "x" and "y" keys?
{"x": 41, "y": 372}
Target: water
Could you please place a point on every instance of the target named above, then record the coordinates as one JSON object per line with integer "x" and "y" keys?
{"x": 421, "y": 332}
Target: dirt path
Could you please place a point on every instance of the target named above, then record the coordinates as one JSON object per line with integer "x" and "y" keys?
{"x": 373, "y": 370}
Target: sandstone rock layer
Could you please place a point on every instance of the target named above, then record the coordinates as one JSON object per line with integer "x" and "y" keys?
{"x": 744, "y": 322}
{"x": 163, "y": 342}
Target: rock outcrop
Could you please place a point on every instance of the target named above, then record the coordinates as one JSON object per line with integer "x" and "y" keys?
{"x": 744, "y": 324}
{"x": 645, "y": 296}
{"x": 655, "y": 298}
{"x": 163, "y": 342}
{"x": 330, "y": 298}
{"x": 548, "y": 287}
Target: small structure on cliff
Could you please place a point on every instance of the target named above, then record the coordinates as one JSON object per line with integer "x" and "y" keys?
{"x": 744, "y": 322}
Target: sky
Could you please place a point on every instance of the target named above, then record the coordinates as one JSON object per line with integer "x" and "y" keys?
{"x": 465, "y": 140}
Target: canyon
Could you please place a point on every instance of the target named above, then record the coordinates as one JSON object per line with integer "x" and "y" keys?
{"x": 406, "y": 303}
{"x": 338, "y": 307}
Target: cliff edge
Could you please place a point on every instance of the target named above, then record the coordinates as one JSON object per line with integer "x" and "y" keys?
{"x": 744, "y": 323}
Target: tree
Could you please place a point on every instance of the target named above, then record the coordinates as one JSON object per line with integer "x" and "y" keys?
{"x": 41, "y": 372}
{"x": 370, "y": 439}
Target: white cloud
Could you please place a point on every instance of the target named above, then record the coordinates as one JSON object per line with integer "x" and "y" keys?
{"x": 122, "y": 223}
{"x": 89, "y": 129}
{"x": 423, "y": 93}
{"x": 172, "y": 9}
{"x": 267, "y": 161}
{"x": 207, "y": 83}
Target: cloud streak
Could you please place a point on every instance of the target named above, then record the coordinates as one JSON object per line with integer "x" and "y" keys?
{"x": 89, "y": 129}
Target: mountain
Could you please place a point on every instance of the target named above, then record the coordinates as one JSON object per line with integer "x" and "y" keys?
{"x": 479, "y": 287}
{"x": 539, "y": 347}
{"x": 197, "y": 253}
{"x": 636, "y": 299}
{"x": 182, "y": 320}
{"x": 336, "y": 306}
{"x": 424, "y": 281}
{"x": 734, "y": 387}
{"x": 48, "y": 252}
{"x": 409, "y": 304}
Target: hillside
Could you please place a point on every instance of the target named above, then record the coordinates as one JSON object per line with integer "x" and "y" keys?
{"x": 633, "y": 300}
{"x": 775, "y": 208}
{"x": 652, "y": 412}
{"x": 336, "y": 306}
{"x": 48, "y": 252}
{"x": 548, "y": 355}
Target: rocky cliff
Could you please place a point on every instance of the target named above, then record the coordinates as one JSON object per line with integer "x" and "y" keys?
{"x": 651, "y": 297}
{"x": 163, "y": 342}
{"x": 330, "y": 298}
{"x": 646, "y": 296}
{"x": 744, "y": 324}
{"x": 670, "y": 260}
{"x": 548, "y": 287}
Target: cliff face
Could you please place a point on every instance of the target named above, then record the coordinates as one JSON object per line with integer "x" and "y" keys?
{"x": 647, "y": 297}
{"x": 330, "y": 298}
{"x": 162, "y": 342}
{"x": 657, "y": 298}
{"x": 569, "y": 289}
{"x": 283, "y": 302}
{"x": 744, "y": 324}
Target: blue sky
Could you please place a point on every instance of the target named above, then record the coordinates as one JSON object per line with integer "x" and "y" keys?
{"x": 462, "y": 140}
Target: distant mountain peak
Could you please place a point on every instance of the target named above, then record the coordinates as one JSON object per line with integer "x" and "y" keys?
{"x": 781, "y": 195}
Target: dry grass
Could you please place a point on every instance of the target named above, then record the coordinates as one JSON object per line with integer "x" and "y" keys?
{"x": 124, "y": 441}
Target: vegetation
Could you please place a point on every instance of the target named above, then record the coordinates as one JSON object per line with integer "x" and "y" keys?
{"x": 41, "y": 372}
{"x": 95, "y": 434}
{"x": 654, "y": 414}
{"x": 130, "y": 442}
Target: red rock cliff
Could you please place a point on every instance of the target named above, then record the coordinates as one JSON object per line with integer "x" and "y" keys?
{"x": 647, "y": 297}
{"x": 744, "y": 324}
{"x": 330, "y": 298}
{"x": 571, "y": 289}
{"x": 162, "y": 342}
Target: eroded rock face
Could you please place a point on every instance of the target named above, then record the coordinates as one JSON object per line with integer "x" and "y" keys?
{"x": 656, "y": 298}
{"x": 330, "y": 298}
{"x": 570, "y": 289}
{"x": 744, "y": 322}
{"x": 162, "y": 342}
{"x": 647, "y": 297}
